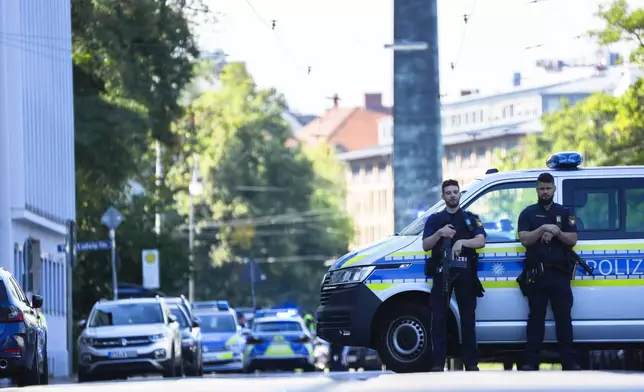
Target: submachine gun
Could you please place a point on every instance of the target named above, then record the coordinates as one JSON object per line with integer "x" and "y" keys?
{"x": 577, "y": 261}
{"x": 446, "y": 264}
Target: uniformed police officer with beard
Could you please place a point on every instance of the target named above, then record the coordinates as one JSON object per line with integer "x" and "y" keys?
{"x": 548, "y": 232}
{"x": 467, "y": 234}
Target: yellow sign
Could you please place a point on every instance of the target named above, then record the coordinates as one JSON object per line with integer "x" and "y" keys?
{"x": 150, "y": 264}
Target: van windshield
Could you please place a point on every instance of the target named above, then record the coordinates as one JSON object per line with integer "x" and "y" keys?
{"x": 416, "y": 227}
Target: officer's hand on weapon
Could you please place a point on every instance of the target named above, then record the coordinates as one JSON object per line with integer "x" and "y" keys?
{"x": 447, "y": 231}
{"x": 554, "y": 229}
{"x": 547, "y": 237}
{"x": 457, "y": 248}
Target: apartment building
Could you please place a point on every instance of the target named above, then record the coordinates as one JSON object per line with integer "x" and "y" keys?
{"x": 476, "y": 128}
{"x": 37, "y": 186}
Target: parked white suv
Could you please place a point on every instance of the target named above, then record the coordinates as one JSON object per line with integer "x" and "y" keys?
{"x": 129, "y": 337}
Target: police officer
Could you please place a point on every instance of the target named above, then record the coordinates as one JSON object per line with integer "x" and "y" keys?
{"x": 467, "y": 234}
{"x": 241, "y": 320}
{"x": 548, "y": 232}
{"x": 309, "y": 320}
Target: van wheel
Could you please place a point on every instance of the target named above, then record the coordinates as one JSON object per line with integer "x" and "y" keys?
{"x": 404, "y": 340}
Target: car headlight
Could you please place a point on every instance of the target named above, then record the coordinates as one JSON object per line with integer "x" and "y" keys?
{"x": 87, "y": 341}
{"x": 351, "y": 275}
{"x": 156, "y": 338}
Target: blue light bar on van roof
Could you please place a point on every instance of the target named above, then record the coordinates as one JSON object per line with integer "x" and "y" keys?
{"x": 564, "y": 160}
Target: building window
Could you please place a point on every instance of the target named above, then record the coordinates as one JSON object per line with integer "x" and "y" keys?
{"x": 466, "y": 157}
{"x": 481, "y": 155}
{"x": 451, "y": 160}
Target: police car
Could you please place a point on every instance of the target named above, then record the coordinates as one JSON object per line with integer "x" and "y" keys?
{"x": 279, "y": 343}
{"x": 222, "y": 340}
{"x": 378, "y": 296}
{"x": 277, "y": 312}
{"x": 219, "y": 305}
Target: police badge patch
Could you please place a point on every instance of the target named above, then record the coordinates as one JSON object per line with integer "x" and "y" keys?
{"x": 572, "y": 221}
{"x": 479, "y": 223}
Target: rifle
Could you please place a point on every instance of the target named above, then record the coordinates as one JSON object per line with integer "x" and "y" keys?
{"x": 578, "y": 261}
{"x": 447, "y": 263}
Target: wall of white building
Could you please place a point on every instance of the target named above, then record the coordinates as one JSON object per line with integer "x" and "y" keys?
{"x": 37, "y": 188}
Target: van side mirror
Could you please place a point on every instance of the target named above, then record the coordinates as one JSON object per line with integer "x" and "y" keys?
{"x": 82, "y": 323}
{"x": 36, "y": 301}
{"x": 172, "y": 318}
{"x": 196, "y": 323}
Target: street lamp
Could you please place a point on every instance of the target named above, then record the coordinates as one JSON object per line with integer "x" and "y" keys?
{"x": 195, "y": 188}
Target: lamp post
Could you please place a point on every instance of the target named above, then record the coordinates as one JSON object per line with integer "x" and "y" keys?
{"x": 195, "y": 188}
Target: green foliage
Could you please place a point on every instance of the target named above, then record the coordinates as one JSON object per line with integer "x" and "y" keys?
{"x": 132, "y": 60}
{"x": 607, "y": 130}
{"x": 622, "y": 25}
{"x": 261, "y": 199}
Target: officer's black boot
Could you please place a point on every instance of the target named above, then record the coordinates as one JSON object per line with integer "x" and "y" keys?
{"x": 471, "y": 368}
{"x": 438, "y": 367}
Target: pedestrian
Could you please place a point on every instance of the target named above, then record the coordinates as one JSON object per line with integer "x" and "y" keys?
{"x": 548, "y": 231}
{"x": 467, "y": 234}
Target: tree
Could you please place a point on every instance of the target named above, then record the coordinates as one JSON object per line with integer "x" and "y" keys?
{"x": 131, "y": 61}
{"x": 608, "y": 130}
{"x": 261, "y": 199}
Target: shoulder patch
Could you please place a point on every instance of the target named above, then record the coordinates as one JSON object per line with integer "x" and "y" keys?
{"x": 478, "y": 222}
{"x": 572, "y": 221}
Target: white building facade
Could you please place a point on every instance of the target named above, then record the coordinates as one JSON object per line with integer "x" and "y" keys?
{"x": 37, "y": 186}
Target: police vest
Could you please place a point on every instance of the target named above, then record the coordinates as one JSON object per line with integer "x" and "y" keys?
{"x": 469, "y": 256}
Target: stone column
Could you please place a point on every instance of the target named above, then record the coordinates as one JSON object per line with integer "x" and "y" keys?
{"x": 418, "y": 146}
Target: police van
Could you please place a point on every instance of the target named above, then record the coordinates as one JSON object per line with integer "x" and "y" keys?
{"x": 378, "y": 296}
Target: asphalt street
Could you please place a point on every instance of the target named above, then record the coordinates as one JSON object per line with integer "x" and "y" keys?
{"x": 376, "y": 382}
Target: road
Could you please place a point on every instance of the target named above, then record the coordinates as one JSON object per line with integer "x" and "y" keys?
{"x": 375, "y": 382}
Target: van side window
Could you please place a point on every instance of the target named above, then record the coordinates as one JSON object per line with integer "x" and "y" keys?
{"x": 635, "y": 209}
{"x": 499, "y": 208}
{"x": 596, "y": 209}
{"x": 606, "y": 208}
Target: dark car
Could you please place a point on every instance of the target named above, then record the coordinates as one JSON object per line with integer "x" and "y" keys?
{"x": 23, "y": 335}
{"x": 191, "y": 344}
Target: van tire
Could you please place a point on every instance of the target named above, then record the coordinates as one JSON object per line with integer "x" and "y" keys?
{"x": 413, "y": 321}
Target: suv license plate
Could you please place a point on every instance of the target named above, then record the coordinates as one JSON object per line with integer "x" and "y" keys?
{"x": 120, "y": 354}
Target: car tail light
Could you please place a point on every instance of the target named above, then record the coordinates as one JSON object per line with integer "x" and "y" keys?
{"x": 11, "y": 314}
{"x": 253, "y": 340}
{"x": 303, "y": 339}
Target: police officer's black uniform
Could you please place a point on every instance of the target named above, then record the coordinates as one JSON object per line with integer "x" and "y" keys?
{"x": 550, "y": 271}
{"x": 465, "y": 282}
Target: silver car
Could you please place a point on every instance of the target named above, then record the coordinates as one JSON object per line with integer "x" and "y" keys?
{"x": 129, "y": 337}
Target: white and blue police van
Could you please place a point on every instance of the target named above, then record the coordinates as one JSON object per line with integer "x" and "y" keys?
{"x": 378, "y": 296}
